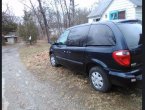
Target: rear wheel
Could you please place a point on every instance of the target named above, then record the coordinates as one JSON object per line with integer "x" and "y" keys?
{"x": 53, "y": 60}
{"x": 99, "y": 80}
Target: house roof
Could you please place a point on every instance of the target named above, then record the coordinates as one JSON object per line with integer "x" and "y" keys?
{"x": 8, "y": 36}
{"x": 137, "y": 2}
{"x": 103, "y": 5}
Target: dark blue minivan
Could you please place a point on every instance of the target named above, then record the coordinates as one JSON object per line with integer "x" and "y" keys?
{"x": 109, "y": 52}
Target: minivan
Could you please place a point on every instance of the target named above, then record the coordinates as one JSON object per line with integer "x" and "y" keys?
{"x": 109, "y": 52}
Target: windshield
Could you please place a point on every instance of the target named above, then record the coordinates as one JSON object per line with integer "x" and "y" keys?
{"x": 132, "y": 33}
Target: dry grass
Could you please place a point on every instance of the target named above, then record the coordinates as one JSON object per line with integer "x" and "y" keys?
{"x": 74, "y": 86}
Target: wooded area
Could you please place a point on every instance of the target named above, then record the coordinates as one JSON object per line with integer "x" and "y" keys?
{"x": 46, "y": 21}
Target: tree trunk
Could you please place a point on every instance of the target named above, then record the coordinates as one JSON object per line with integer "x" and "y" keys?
{"x": 68, "y": 14}
{"x": 45, "y": 21}
{"x": 73, "y": 11}
{"x": 62, "y": 13}
{"x": 39, "y": 21}
{"x": 58, "y": 17}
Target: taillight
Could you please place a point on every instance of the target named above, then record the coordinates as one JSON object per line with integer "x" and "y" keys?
{"x": 122, "y": 57}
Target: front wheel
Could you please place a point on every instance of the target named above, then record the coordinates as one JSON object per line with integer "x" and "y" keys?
{"x": 99, "y": 80}
{"x": 53, "y": 60}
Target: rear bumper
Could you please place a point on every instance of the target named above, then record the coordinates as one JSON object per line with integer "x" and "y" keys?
{"x": 125, "y": 78}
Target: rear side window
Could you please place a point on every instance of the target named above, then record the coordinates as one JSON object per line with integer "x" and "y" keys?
{"x": 100, "y": 35}
{"x": 131, "y": 32}
{"x": 78, "y": 36}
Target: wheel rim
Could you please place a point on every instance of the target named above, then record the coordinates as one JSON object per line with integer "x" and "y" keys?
{"x": 52, "y": 60}
{"x": 97, "y": 80}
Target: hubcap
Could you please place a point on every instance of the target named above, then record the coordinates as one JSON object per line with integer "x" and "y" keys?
{"x": 52, "y": 60}
{"x": 97, "y": 80}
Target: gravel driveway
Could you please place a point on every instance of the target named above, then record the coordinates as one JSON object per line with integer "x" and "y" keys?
{"x": 56, "y": 89}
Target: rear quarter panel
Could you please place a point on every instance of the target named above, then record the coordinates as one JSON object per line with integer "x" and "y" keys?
{"x": 104, "y": 53}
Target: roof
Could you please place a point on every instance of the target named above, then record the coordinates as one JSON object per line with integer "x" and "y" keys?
{"x": 103, "y": 5}
{"x": 8, "y": 36}
{"x": 137, "y": 2}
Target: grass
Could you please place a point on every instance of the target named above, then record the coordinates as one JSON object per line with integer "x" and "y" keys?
{"x": 74, "y": 86}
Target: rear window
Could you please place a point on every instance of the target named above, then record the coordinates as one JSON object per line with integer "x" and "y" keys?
{"x": 131, "y": 32}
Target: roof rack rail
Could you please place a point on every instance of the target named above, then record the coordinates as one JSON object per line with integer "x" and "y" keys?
{"x": 128, "y": 21}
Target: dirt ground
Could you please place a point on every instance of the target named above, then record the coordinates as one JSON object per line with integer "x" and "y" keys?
{"x": 74, "y": 87}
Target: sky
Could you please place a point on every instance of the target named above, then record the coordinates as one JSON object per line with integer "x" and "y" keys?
{"x": 17, "y": 7}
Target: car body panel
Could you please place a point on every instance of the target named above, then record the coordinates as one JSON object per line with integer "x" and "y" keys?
{"x": 79, "y": 58}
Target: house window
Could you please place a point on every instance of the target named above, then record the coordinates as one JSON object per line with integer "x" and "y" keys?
{"x": 121, "y": 15}
{"x": 97, "y": 19}
{"x": 117, "y": 15}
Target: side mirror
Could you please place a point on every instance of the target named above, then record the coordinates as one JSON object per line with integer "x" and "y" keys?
{"x": 55, "y": 43}
{"x": 51, "y": 42}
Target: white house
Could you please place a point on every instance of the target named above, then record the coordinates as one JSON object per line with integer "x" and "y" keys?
{"x": 116, "y": 9}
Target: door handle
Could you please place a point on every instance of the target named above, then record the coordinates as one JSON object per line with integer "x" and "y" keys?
{"x": 67, "y": 51}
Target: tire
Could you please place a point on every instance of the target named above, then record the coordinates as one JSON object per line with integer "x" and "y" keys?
{"x": 53, "y": 60}
{"x": 99, "y": 79}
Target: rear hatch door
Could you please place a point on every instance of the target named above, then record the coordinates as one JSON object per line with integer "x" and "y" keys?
{"x": 132, "y": 32}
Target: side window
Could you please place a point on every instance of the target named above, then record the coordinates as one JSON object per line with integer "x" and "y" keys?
{"x": 62, "y": 39}
{"x": 100, "y": 35}
{"x": 78, "y": 36}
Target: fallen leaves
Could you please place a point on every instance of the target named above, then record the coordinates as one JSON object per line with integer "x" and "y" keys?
{"x": 73, "y": 86}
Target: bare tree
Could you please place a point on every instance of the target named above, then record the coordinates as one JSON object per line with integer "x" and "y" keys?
{"x": 63, "y": 13}
{"x": 45, "y": 20}
{"x": 9, "y": 21}
{"x": 68, "y": 14}
{"x": 73, "y": 10}
{"x": 38, "y": 18}
{"x": 56, "y": 15}
{"x": 81, "y": 16}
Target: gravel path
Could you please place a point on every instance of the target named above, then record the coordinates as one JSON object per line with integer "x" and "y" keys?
{"x": 24, "y": 91}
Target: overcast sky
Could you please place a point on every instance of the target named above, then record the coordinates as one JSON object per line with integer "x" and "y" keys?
{"x": 17, "y": 7}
